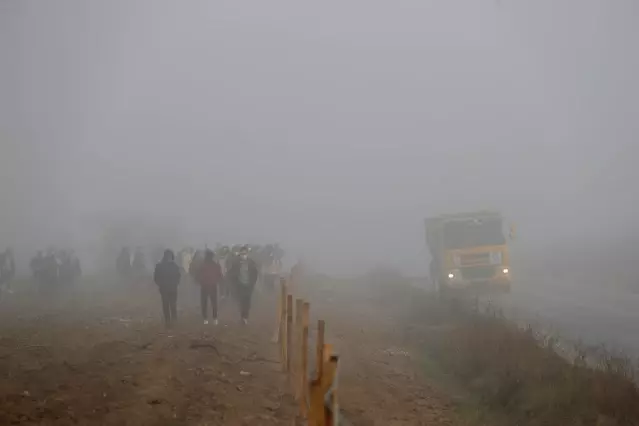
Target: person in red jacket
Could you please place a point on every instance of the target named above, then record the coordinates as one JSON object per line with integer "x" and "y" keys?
{"x": 209, "y": 275}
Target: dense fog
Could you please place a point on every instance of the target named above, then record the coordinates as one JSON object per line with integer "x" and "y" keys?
{"x": 332, "y": 128}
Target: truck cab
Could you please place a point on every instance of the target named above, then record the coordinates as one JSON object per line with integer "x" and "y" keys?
{"x": 469, "y": 253}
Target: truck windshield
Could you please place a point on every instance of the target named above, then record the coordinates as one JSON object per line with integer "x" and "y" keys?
{"x": 471, "y": 233}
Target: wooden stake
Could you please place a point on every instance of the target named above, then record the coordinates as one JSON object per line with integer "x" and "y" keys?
{"x": 297, "y": 365}
{"x": 278, "y": 320}
{"x": 304, "y": 367}
{"x": 317, "y": 414}
{"x": 328, "y": 352}
{"x": 333, "y": 420}
{"x": 282, "y": 321}
{"x": 289, "y": 331}
{"x": 319, "y": 348}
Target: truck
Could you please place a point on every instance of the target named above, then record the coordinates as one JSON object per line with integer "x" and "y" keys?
{"x": 469, "y": 253}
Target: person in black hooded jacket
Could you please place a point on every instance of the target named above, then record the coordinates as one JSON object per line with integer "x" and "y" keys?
{"x": 167, "y": 278}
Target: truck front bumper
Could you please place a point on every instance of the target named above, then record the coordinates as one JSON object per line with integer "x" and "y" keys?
{"x": 500, "y": 284}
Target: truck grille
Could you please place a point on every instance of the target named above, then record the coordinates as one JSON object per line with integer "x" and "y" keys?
{"x": 478, "y": 272}
{"x": 472, "y": 259}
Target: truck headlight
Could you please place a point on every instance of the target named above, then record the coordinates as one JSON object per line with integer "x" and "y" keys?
{"x": 505, "y": 270}
{"x": 455, "y": 274}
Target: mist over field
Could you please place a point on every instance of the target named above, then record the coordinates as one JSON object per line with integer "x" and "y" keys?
{"x": 338, "y": 132}
{"x": 331, "y": 128}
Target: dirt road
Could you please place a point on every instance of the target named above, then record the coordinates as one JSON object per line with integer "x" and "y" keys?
{"x": 101, "y": 358}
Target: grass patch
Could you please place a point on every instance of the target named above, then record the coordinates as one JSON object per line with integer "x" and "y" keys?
{"x": 469, "y": 407}
{"x": 511, "y": 373}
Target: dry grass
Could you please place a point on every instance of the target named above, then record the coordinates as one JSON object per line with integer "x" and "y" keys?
{"x": 514, "y": 373}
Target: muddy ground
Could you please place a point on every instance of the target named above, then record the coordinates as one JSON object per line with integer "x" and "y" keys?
{"x": 99, "y": 356}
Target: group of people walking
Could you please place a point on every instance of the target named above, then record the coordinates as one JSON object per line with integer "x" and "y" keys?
{"x": 131, "y": 263}
{"x": 55, "y": 269}
{"x": 239, "y": 280}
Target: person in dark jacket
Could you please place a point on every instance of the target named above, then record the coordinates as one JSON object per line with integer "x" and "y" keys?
{"x": 209, "y": 275}
{"x": 198, "y": 258}
{"x": 243, "y": 276}
{"x": 167, "y": 278}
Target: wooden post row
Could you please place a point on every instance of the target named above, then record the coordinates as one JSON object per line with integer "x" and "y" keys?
{"x": 293, "y": 337}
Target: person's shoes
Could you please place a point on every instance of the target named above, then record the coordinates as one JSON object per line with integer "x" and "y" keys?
{"x": 215, "y": 321}
{"x": 245, "y": 321}
{"x": 206, "y": 322}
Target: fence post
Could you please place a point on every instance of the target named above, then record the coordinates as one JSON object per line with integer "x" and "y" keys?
{"x": 278, "y": 320}
{"x": 333, "y": 415}
{"x": 289, "y": 331}
{"x": 298, "y": 353}
{"x": 282, "y": 321}
{"x": 328, "y": 352}
{"x": 316, "y": 415}
{"x": 319, "y": 348}
{"x": 306, "y": 307}
{"x": 327, "y": 382}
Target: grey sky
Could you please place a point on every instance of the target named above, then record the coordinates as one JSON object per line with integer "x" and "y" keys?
{"x": 332, "y": 127}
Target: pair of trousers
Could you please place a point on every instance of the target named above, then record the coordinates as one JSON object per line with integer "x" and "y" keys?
{"x": 243, "y": 294}
{"x": 225, "y": 290}
{"x": 169, "y": 306}
{"x": 208, "y": 293}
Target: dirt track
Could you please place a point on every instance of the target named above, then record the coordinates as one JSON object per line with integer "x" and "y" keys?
{"x": 101, "y": 357}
